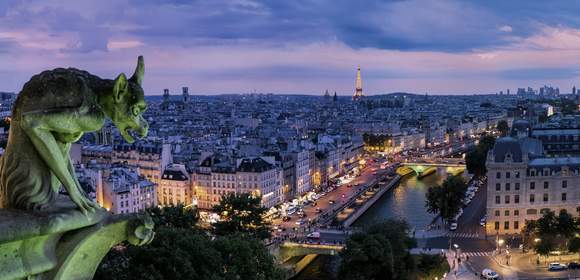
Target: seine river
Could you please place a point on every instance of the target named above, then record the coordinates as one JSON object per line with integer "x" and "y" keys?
{"x": 406, "y": 201}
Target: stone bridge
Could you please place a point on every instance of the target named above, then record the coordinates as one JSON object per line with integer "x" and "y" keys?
{"x": 288, "y": 250}
{"x": 423, "y": 169}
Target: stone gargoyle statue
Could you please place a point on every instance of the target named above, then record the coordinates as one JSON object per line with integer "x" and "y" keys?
{"x": 43, "y": 235}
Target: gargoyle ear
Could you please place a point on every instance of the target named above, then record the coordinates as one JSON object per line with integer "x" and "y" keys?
{"x": 139, "y": 71}
{"x": 120, "y": 87}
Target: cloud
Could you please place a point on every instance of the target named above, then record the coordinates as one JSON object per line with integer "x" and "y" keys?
{"x": 123, "y": 44}
{"x": 506, "y": 28}
{"x": 306, "y": 46}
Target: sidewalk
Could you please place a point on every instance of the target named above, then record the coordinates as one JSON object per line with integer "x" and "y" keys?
{"x": 459, "y": 271}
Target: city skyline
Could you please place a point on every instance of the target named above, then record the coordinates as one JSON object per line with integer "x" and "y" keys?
{"x": 306, "y": 47}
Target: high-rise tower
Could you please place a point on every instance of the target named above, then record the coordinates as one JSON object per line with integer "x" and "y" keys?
{"x": 185, "y": 94}
{"x": 358, "y": 93}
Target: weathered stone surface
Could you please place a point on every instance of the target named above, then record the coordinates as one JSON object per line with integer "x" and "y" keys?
{"x": 63, "y": 243}
{"x": 52, "y": 111}
{"x": 44, "y": 235}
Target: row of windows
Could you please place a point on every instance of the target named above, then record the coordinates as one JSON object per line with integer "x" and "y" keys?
{"x": 545, "y": 198}
{"x": 530, "y": 211}
{"x": 506, "y": 225}
{"x": 507, "y": 213}
{"x": 508, "y": 175}
{"x": 532, "y": 186}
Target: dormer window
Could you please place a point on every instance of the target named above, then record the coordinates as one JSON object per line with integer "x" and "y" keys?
{"x": 508, "y": 157}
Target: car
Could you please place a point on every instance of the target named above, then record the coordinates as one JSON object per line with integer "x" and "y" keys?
{"x": 313, "y": 235}
{"x": 318, "y": 210}
{"x": 453, "y": 227}
{"x": 573, "y": 265}
{"x": 556, "y": 266}
{"x": 349, "y": 186}
{"x": 331, "y": 201}
{"x": 489, "y": 274}
{"x": 300, "y": 222}
{"x": 286, "y": 218}
{"x": 482, "y": 221}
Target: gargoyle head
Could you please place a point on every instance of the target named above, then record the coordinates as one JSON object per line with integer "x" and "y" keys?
{"x": 129, "y": 104}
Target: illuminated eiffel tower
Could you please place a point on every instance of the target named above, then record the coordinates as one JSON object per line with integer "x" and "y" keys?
{"x": 358, "y": 93}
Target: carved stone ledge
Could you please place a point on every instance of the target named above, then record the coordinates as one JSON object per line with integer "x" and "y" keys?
{"x": 62, "y": 243}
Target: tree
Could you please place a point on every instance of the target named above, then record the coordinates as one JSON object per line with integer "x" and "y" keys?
{"x": 551, "y": 232}
{"x": 544, "y": 246}
{"x": 566, "y": 225}
{"x": 241, "y": 213}
{"x": 432, "y": 266}
{"x": 174, "y": 216}
{"x": 446, "y": 200}
{"x": 475, "y": 160}
{"x": 502, "y": 127}
{"x": 380, "y": 251}
{"x": 367, "y": 256}
{"x": 245, "y": 258}
{"x": 574, "y": 245}
{"x": 178, "y": 253}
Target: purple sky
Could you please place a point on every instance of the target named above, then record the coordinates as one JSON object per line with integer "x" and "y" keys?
{"x": 298, "y": 46}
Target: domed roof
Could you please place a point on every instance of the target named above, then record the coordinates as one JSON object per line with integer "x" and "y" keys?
{"x": 520, "y": 127}
{"x": 507, "y": 147}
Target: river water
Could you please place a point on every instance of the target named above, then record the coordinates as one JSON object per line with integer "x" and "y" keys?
{"x": 406, "y": 201}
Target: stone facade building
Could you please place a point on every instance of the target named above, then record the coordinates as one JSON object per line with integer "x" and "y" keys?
{"x": 523, "y": 183}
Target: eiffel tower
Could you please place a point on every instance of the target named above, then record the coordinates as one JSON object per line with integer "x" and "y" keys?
{"x": 358, "y": 93}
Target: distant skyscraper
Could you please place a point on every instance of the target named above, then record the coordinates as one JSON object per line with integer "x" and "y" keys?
{"x": 326, "y": 95}
{"x": 185, "y": 93}
{"x": 574, "y": 90}
{"x": 358, "y": 93}
{"x": 165, "y": 103}
{"x": 335, "y": 97}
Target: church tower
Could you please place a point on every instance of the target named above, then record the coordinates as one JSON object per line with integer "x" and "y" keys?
{"x": 358, "y": 93}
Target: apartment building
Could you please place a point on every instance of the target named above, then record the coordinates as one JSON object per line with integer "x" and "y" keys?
{"x": 523, "y": 184}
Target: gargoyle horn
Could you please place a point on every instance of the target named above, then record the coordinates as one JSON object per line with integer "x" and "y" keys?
{"x": 139, "y": 71}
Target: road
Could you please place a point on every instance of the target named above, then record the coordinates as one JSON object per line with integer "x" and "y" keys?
{"x": 341, "y": 194}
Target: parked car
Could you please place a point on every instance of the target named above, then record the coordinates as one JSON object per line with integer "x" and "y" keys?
{"x": 453, "y": 227}
{"x": 313, "y": 235}
{"x": 331, "y": 201}
{"x": 556, "y": 266}
{"x": 482, "y": 221}
{"x": 489, "y": 274}
{"x": 573, "y": 265}
{"x": 318, "y": 210}
{"x": 286, "y": 218}
{"x": 300, "y": 222}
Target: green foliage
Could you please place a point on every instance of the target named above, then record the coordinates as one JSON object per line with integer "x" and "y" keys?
{"x": 432, "y": 266}
{"x": 445, "y": 200}
{"x": 545, "y": 246}
{"x": 381, "y": 251}
{"x": 551, "y": 232}
{"x": 241, "y": 213}
{"x": 174, "y": 216}
{"x": 503, "y": 127}
{"x": 475, "y": 160}
{"x": 574, "y": 245}
{"x": 180, "y": 250}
